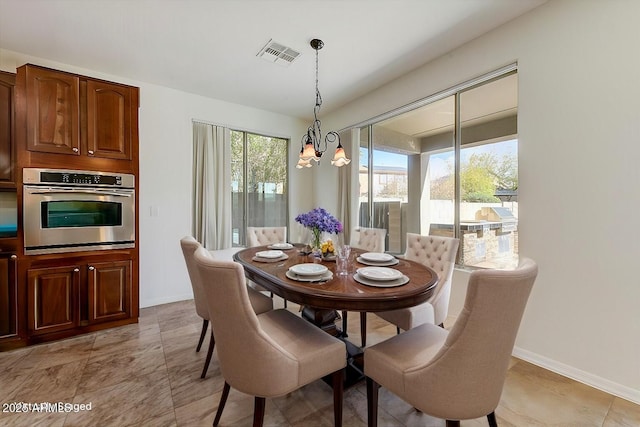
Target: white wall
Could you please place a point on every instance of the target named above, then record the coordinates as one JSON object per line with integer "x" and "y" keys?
{"x": 579, "y": 133}
{"x": 165, "y": 171}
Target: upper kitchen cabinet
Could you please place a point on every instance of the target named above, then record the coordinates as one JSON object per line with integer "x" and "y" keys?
{"x": 7, "y": 105}
{"x": 77, "y": 122}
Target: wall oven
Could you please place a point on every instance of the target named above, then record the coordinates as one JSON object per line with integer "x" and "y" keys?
{"x": 69, "y": 211}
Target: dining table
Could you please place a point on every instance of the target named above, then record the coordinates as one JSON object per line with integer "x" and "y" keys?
{"x": 321, "y": 297}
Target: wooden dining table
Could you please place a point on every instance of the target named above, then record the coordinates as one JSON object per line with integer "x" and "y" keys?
{"x": 341, "y": 292}
{"x": 320, "y": 300}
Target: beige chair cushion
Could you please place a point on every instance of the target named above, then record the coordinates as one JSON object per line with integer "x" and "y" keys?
{"x": 369, "y": 239}
{"x": 460, "y": 374}
{"x": 267, "y": 355}
{"x": 439, "y": 254}
{"x": 261, "y": 236}
{"x": 260, "y": 303}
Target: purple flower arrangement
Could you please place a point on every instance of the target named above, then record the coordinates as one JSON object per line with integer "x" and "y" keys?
{"x": 321, "y": 220}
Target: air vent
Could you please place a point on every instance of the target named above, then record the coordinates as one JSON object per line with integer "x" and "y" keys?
{"x": 278, "y": 53}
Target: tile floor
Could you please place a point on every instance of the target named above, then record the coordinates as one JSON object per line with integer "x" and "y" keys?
{"x": 148, "y": 374}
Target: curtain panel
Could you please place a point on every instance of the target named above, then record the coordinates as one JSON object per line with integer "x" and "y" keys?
{"x": 211, "y": 223}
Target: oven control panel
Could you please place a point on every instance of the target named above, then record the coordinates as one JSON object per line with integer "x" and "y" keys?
{"x": 76, "y": 178}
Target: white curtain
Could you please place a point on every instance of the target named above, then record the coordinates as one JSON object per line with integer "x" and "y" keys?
{"x": 345, "y": 190}
{"x": 212, "y": 185}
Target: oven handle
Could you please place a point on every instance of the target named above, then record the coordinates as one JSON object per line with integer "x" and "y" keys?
{"x": 95, "y": 192}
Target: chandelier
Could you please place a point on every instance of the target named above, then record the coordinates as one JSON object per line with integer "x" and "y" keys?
{"x": 312, "y": 144}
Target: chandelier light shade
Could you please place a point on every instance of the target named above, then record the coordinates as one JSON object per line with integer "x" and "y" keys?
{"x": 313, "y": 145}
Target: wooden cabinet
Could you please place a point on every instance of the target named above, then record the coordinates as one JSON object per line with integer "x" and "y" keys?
{"x": 82, "y": 292}
{"x": 8, "y": 297}
{"x": 53, "y": 299}
{"x": 53, "y": 111}
{"x": 92, "y": 124}
{"x": 7, "y": 128}
{"x": 109, "y": 291}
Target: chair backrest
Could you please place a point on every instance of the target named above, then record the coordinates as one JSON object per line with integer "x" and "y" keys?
{"x": 439, "y": 254}
{"x": 189, "y": 246}
{"x": 467, "y": 374}
{"x": 250, "y": 360}
{"x": 368, "y": 239}
{"x": 260, "y": 236}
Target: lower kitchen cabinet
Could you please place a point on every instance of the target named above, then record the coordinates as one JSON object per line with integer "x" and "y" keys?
{"x": 76, "y": 294}
{"x": 53, "y": 299}
{"x": 8, "y": 297}
{"x": 109, "y": 289}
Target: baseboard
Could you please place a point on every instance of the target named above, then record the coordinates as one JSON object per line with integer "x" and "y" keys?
{"x": 584, "y": 377}
{"x": 167, "y": 300}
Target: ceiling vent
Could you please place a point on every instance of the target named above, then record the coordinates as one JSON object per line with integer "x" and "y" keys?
{"x": 278, "y": 53}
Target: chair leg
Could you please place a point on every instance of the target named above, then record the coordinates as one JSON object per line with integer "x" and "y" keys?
{"x": 452, "y": 423}
{"x": 372, "y": 402}
{"x": 337, "y": 381}
{"x": 398, "y": 330}
{"x": 285, "y": 303}
{"x": 344, "y": 323}
{"x": 205, "y": 325}
{"x": 223, "y": 400}
{"x": 363, "y": 328}
{"x": 212, "y": 343}
{"x": 258, "y": 411}
{"x": 492, "y": 420}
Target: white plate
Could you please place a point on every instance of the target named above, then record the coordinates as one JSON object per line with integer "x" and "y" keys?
{"x": 376, "y": 256}
{"x": 319, "y": 278}
{"x": 308, "y": 269}
{"x": 280, "y": 246}
{"x": 269, "y": 254}
{"x": 378, "y": 284}
{"x": 379, "y": 273}
{"x": 379, "y": 264}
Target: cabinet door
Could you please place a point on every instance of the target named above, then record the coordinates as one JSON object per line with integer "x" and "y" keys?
{"x": 108, "y": 120}
{"x": 52, "y": 111}
{"x": 109, "y": 290}
{"x": 7, "y": 84}
{"x": 53, "y": 299}
{"x": 8, "y": 303}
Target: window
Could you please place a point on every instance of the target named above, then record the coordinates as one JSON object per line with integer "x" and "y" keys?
{"x": 259, "y": 183}
{"x": 448, "y": 167}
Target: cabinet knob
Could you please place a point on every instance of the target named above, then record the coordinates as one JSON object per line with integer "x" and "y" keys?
{"x": 76, "y": 270}
{"x": 14, "y": 257}
{"x": 91, "y": 152}
{"x": 75, "y": 149}
{"x": 91, "y": 268}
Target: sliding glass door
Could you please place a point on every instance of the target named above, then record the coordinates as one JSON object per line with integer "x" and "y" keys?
{"x": 259, "y": 183}
{"x": 448, "y": 168}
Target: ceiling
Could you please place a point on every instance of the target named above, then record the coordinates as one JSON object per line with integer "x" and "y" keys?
{"x": 210, "y": 47}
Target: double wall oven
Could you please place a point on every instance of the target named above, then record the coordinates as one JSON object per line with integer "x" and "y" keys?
{"x": 69, "y": 210}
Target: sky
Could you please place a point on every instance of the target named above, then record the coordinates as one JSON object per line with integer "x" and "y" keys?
{"x": 440, "y": 162}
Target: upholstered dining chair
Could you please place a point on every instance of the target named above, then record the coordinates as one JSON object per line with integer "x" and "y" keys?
{"x": 262, "y": 236}
{"x": 438, "y": 253}
{"x": 266, "y": 355}
{"x": 260, "y": 303}
{"x": 460, "y": 374}
{"x": 370, "y": 240}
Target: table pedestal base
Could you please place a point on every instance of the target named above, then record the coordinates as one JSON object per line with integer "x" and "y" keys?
{"x": 325, "y": 320}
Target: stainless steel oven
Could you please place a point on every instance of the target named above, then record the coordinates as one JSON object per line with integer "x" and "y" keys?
{"x": 68, "y": 210}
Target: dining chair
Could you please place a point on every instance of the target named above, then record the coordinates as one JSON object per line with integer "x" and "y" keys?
{"x": 260, "y": 303}
{"x": 262, "y": 236}
{"x": 438, "y": 253}
{"x": 266, "y": 355}
{"x": 369, "y": 240}
{"x": 460, "y": 374}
